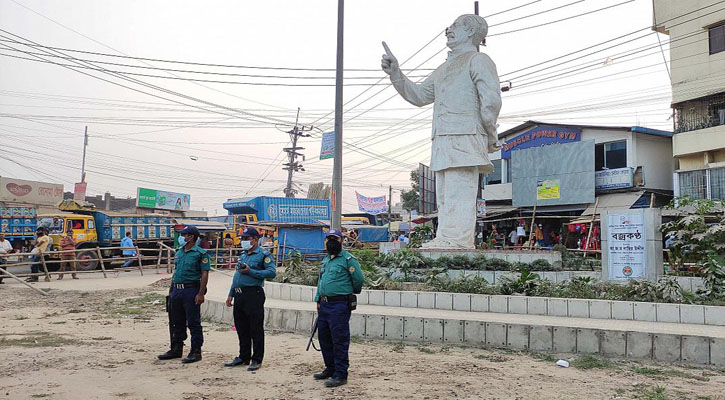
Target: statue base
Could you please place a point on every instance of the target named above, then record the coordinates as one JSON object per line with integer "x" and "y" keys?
{"x": 445, "y": 245}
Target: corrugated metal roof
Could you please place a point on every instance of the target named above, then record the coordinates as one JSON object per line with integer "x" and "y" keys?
{"x": 530, "y": 124}
{"x": 614, "y": 201}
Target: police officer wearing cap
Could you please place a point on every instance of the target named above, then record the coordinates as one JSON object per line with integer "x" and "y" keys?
{"x": 188, "y": 288}
{"x": 340, "y": 277}
{"x": 247, "y": 296}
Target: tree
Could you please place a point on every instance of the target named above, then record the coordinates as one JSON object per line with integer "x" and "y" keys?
{"x": 411, "y": 197}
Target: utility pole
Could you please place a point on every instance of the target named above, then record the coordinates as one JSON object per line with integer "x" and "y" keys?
{"x": 336, "y": 220}
{"x": 292, "y": 165}
{"x": 83, "y": 165}
{"x": 390, "y": 205}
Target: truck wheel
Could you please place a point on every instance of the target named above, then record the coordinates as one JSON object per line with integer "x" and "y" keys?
{"x": 88, "y": 260}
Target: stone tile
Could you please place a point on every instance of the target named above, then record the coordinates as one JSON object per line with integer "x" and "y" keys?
{"x": 537, "y": 306}
{"x": 433, "y": 330}
{"x": 558, "y": 307}
{"x": 666, "y": 348}
{"x": 696, "y": 350}
{"x": 668, "y": 312}
{"x": 474, "y": 332}
{"x": 479, "y": 302}
{"x": 496, "y": 335}
{"x": 600, "y": 309}
{"x": 357, "y": 325}
{"x": 613, "y": 343}
{"x": 461, "y": 302}
{"x": 587, "y": 341}
{"x": 393, "y": 328}
{"x": 409, "y": 299}
{"x": 426, "y": 300}
{"x": 374, "y": 327}
{"x": 714, "y": 315}
{"x": 453, "y": 331}
{"x": 564, "y": 340}
{"x": 692, "y": 314}
{"x": 578, "y": 308}
{"x": 717, "y": 352}
{"x": 517, "y": 305}
{"x": 499, "y": 304}
{"x": 518, "y": 336}
{"x": 391, "y": 298}
{"x": 645, "y": 312}
{"x": 623, "y": 310}
{"x": 444, "y": 301}
{"x": 376, "y": 297}
{"x": 541, "y": 338}
{"x": 413, "y": 329}
{"x": 639, "y": 345}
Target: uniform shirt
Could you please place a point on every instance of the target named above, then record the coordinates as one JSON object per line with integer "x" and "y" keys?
{"x": 339, "y": 276}
{"x": 466, "y": 94}
{"x": 261, "y": 267}
{"x": 189, "y": 264}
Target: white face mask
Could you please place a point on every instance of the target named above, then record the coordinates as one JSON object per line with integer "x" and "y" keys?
{"x": 246, "y": 244}
{"x": 182, "y": 241}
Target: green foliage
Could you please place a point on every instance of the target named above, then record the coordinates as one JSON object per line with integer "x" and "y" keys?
{"x": 411, "y": 197}
{"x": 541, "y": 265}
{"x": 700, "y": 232}
{"x": 497, "y": 264}
{"x": 591, "y": 362}
{"x": 714, "y": 275}
{"x": 420, "y": 234}
{"x": 526, "y": 284}
{"x": 298, "y": 272}
{"x": 467, "y": 284}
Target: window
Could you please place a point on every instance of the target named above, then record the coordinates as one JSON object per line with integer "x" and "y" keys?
{"x": 717, "y": 39}
{"x": 494, "y": 177}
{"x": 717, "y": 183}
{"x": 610, "y": 155}
{"x": 76, "y": 223}
{"x": 692, "y": 183}
{"x": 91, "y": 224}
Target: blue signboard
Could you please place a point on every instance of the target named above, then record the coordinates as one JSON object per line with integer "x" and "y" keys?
{"x": 540, "y": 136}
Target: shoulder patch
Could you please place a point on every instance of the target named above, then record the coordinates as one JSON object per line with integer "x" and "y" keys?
{"x": 352, "y": 269}
{"x": 267, "y": 259}
{"x": 204, "y": 260}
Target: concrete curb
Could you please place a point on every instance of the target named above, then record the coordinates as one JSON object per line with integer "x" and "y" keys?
{"x": 698, "y": 350}
{"x": 555, "y": 307}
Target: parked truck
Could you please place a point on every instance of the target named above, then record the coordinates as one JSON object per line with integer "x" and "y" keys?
{"x": 93, "y": 229}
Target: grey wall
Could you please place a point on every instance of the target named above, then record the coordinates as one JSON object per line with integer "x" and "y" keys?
{"x": 571, "y": 163}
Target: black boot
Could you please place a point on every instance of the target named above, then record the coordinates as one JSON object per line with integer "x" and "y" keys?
{"x": 327, "y": 373}
{"x": 176, "y": 351}
{"x": 194, "y": 356}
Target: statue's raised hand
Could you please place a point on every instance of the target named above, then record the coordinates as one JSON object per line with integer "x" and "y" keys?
{"x": 389, "y": 63}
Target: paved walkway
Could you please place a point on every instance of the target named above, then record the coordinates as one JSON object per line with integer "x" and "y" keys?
{"x": 220, "y": 282}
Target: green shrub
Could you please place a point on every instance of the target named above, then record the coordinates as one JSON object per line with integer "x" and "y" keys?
{"x": 540, "y": 265}
{"x": 479, "y": 262}
{"x": 497, "y": 264}
{"x": 460, "y": 261}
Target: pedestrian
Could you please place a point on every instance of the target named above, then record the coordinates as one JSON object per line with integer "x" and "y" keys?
{"x": 68, "y": 243}
{"x": 340, "y": 277}
{"x": 228, "y": 246}
{"x": 247, "y": 296}
{"x": 540, "y": 236}
{"x": 128, "y": 249}
{"x": 188, "y": 287}
{"x": 5, "y": 249}
{"x": 514, "y": 237}
{"x": 41, "y": 244}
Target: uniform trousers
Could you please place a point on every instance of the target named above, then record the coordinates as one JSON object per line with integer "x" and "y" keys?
{"x": 333, "y": 331}
{"x": 249, "y": 322}
{"x": 184, "y": 312}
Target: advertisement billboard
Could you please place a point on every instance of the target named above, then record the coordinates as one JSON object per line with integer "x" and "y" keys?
{"x": 372, "y": 205}
{"x": 328, "y": 146}
{"x": 613, "y": 178}
{"x": 152, "y": 198}
{"x": 30, "y": 192}
{"x": 480, "y": 208}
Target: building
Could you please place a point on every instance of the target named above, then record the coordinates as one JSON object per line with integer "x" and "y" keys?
{"x": 611, "y": 160}
{"x": 697, "y": 63}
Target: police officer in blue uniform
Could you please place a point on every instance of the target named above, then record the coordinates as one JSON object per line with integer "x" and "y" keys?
{"x": 340, "y": 277}
{"x": 247, "y": 296}
{"x": 188, "y": 287}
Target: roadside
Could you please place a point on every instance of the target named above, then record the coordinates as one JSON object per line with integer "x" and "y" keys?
{"x": 102, "y": 345}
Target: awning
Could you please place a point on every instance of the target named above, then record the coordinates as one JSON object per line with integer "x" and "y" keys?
{"x": 614, "y": 202}
{"x": 493, "y": 211}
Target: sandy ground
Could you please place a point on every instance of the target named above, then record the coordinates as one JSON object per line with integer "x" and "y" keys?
{"x": 102, "y": 345}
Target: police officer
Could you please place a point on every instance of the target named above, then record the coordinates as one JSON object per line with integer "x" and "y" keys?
{"x": 340, "y": 277}
{"x": 188, "y": 288}
{"x": 246, "y": 294}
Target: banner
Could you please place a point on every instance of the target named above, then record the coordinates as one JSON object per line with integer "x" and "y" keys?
{"x": 372, "y": 205}
{"x": 613, "y": 178}
{"x": 30, "y": 192}
{"x": 151, "y": 198}
{"x": 79, "y": 194}
{"x": 626, "y": 246}
{"x": 548, "y": 189}
{"x": 328, "y": 146}
{"x": 480, "y": 208}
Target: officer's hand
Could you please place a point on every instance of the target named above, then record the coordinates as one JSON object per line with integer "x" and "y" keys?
{"x": 199, "y": 299}
{"x": 229, "y": 301}
{"x": 389, "y": 63}
{"x": 245, "y": 270}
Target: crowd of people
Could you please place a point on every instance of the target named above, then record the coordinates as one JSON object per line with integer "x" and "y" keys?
{"x": 544, "y": 235}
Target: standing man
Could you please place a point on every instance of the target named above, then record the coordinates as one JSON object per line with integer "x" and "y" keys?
{"x": 340, "y": 277}
{"x": 41, "y": 244}
{"x": 5, "y": 249}
{"x": 188, "y": 287}
{"x": 466, "y": 94}
{"x": 246, "y": 294}
{"x": 67, "y": 243}
{"x": 127, "y": 243}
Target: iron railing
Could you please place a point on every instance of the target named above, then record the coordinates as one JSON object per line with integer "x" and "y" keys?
{"x": 702, "y": 113}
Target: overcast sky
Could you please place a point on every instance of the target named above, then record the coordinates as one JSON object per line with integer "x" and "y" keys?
{"x": 235, "y": 132}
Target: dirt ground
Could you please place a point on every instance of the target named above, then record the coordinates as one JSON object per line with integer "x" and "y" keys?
{"x": 103, "y": 345}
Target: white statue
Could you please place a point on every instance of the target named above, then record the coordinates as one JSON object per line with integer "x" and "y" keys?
{"x": 466, "y": 94}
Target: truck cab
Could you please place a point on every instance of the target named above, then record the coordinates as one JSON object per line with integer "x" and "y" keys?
{"x": 84, "y": 232}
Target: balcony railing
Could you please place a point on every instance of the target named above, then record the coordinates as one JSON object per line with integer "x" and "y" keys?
{"x": 702, "y": 113}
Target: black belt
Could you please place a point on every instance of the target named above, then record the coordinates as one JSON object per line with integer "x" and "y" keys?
{"x": 247, "y": 289}
{"x": 331, "y": 299}
{"x": 187, "y": 285}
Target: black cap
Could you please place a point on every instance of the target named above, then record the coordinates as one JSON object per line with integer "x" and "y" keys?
{"x": 190, "y": 229}
{"x": 250, "y": 232}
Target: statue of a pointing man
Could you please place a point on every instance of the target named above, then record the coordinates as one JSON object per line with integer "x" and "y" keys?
{"x": 467, "y": 98}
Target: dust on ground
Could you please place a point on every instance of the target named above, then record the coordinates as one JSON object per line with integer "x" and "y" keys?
{"x": 103, "y": 345}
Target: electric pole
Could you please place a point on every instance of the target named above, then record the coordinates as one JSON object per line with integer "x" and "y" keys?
{"x": 336, "y": 220}
{"x": 292, "y": 164}
{"x": 390, "y": 205}
{"x": 83, "y": 165}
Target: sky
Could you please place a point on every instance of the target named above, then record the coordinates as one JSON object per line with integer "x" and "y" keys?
{"x": 567, "y": 61}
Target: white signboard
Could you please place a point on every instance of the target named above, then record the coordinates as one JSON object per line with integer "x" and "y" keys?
{"x": 613, "y": 178}
{"x": 626, "y": 246}
{"x": 30, "y": 192}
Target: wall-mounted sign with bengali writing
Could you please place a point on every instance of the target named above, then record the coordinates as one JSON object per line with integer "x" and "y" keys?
{"x": 626, "y": 246}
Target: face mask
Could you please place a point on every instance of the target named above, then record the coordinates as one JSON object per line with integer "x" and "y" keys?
{"x": 246, "y": 244}
{"x": 333, "y": 246}
{"x": 182, "y": 241}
